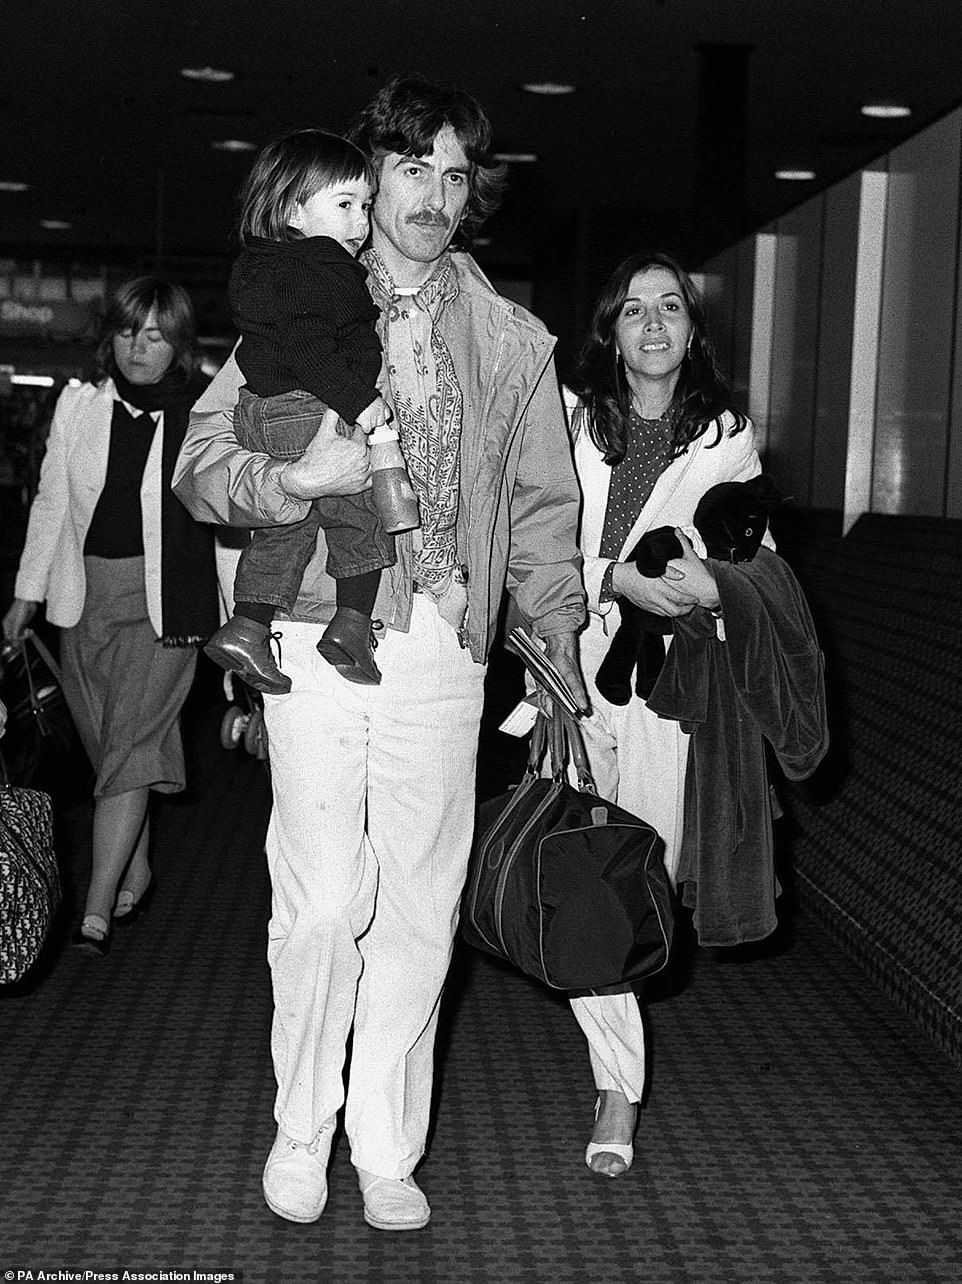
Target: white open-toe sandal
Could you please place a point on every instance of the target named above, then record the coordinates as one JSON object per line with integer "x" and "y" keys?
{"x": 620, "y": 1151}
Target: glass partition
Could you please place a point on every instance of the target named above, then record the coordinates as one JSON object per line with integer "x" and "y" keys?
{"x": 839, "y": 324}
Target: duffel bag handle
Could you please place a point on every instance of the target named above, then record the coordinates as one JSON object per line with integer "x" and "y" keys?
{"x": 44, "y": 654}
{"x": 556, "y": 731}
{"x": 539, "y": 737}
{"x": 563, "y": 735}
{"x": 576, "y": 748}
{"x": 20, "y": 649}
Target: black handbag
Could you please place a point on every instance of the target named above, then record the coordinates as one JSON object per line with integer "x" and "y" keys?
{"x": 29, "y": 878}
{"x": 569, "y": 888}
{"x": 43, "y": 747}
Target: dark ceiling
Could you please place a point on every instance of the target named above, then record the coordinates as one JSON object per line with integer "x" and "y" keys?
{"x": 683, "y": 110}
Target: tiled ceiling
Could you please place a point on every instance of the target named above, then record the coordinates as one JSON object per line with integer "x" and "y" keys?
{"x": 97, "y": 119}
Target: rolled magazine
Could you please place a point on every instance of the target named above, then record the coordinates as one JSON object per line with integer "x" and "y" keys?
{"x": 544, "y": 672}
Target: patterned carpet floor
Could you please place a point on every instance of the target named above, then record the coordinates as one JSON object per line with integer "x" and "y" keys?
{"x": 798, "y": 1127}
{"x": 876, "y": 842}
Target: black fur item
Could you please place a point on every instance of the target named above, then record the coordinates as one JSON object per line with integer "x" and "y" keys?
{"x": 732, "y": 519}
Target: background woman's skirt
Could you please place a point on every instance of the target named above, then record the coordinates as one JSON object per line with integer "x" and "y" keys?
{"x": 125, "y": 691}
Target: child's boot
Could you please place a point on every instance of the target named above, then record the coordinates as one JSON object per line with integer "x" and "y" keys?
{"x": 243, "y": 646}
{"x": 347, "y": 643}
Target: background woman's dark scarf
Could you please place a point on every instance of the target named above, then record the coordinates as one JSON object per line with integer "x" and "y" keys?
{"x": 188, "y": 580}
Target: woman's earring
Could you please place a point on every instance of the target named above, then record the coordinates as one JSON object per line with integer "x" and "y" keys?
{"x": 691, "y": 335}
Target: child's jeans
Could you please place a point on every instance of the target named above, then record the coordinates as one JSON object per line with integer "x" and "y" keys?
{"x": 272, "y": 565}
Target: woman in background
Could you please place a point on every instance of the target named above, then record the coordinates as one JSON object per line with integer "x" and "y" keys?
{"x": 654, "y": 427}
{"x": 127, "y": 575}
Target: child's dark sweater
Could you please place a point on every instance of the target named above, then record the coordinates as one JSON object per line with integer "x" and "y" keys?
{"x": 306, "y": 320}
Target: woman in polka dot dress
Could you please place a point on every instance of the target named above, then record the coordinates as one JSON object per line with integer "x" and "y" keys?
{"x": 654, "y": 428}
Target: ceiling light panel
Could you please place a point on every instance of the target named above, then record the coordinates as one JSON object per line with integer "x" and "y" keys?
{"x": 208, "y": 75}
{"x": 886, "y": 111}
{"x": 549, "y": 88}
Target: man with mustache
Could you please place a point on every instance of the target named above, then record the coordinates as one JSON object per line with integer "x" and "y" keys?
{"x": 374, "y": 785}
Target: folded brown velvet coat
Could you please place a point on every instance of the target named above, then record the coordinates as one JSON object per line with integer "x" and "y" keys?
{"x": 764, "y": 682}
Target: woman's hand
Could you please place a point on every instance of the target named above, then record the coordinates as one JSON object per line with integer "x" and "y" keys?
{"x": 687, "y": 582}
{"x": 17, "y": 619}
{"x": 666, "y": 595}
{"x": 697, "y": 576}
{"x": 331, "y": 465}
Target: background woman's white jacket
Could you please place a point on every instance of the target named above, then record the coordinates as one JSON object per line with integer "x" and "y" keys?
{"x": 71, "y": 480}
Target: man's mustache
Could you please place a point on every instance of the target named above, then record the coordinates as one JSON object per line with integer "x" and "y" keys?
{"x": 430, "y": 218}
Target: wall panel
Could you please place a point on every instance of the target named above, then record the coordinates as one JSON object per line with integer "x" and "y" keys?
{"x": 918, "y": 309}
{"x": 795, "y": 330}
{"x": 740, "y": 371}
{"x": 866, "y": 325}
{"x": 761, "y": 355}
{"x": 718, "y": 281}
{"x": 953, "y": 480}
{"x": 834, "y": 354}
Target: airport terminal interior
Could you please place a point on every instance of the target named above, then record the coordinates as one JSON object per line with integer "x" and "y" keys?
{"x": 801, "y": 1119}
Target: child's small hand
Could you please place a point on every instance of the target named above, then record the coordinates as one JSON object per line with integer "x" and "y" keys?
{"x": 374, "y": 415}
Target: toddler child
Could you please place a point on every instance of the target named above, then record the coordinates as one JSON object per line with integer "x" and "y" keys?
{"x": 301, "y": 306}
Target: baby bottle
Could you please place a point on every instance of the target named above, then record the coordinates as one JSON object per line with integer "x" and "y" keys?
{"x": 391, "y": 489}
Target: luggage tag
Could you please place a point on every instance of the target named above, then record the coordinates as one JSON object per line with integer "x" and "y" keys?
{"x": 521, "y": 718}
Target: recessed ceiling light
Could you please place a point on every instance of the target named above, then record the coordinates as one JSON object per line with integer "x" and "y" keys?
{"x": 548, "y": 88}
{"x": 516, "y": 158}
{"x": 234, "y": 145}
{"x": 55, "y": 224}
{"x": 795, "y": 175}
{"x": 210, "y": 75}
{"x": 9, "y": 185}
{"x": 886, "y": 111}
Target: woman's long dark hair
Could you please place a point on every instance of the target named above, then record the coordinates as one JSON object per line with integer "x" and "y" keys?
{"x": 702, "y": 393}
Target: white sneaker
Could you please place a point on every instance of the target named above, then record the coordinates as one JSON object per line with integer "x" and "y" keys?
{"x": 392, "y": 1203}
{"x": 295, "y": 1176}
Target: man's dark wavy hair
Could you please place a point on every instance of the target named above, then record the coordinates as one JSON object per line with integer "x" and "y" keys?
{"x": 701, "y": 395}
{"x": 408, "y": 114}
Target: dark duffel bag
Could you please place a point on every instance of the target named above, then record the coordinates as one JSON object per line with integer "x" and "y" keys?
{"x": 569, "y": 888}
{"x": 42, "y": 746}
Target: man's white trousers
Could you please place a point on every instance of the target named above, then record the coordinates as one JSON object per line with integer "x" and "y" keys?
{"x": 368, "y": 843}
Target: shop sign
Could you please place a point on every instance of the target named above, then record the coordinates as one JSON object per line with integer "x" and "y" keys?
{"x": 36, "y": 316}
